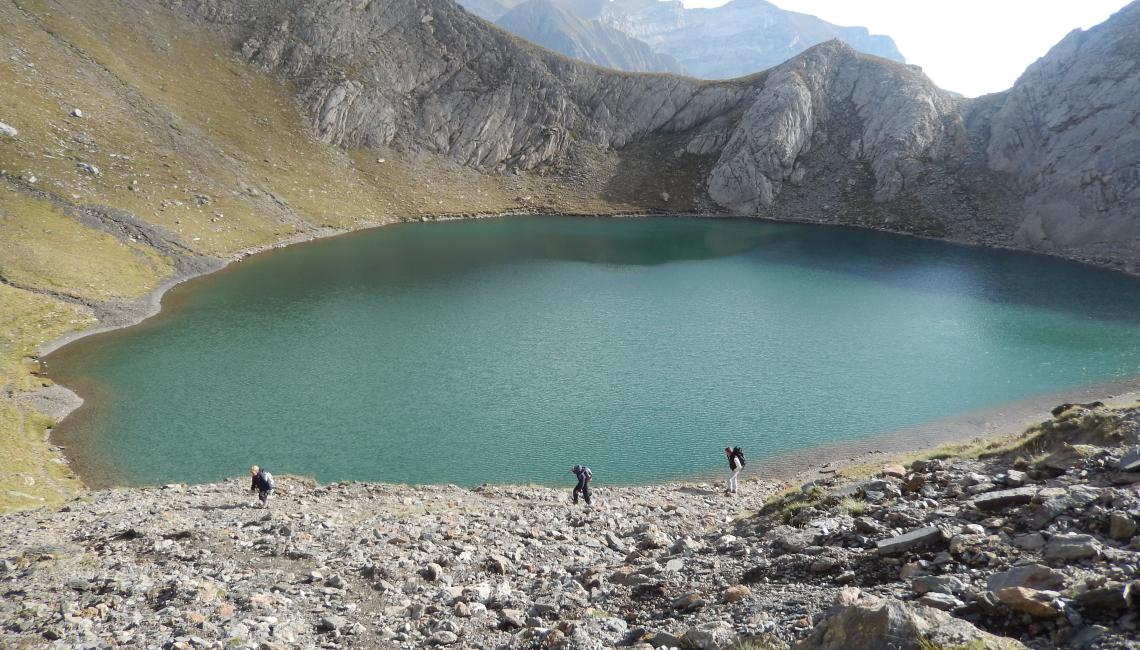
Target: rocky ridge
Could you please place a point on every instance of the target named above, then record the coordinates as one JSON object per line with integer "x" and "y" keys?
{"x": 832, "y": 135}
{"x": 1037, "y": 545}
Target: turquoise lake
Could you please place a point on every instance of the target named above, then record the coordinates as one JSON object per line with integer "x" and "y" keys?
{"x": 506, "y": 350}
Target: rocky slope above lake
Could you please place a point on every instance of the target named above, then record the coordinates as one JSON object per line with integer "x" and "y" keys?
{"x": 831, "y": 135}
{"x": 1036, "y": 545}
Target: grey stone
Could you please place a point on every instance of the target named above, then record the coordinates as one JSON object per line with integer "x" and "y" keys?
{"x": 1121, "y": 526}
{"x": 444, "y": 637}
{"x": 928, "y": 536}
{"x": 870, "y": 623}
{"x": 1034, "y": 576}
{"x": 937, "y": 584}
{"x": 1030, "y": 541}
{"x": 1130, "y": 461}
{"x": 939, "y": 600}
{"x": 614, "y": 542}
{"x": 8, "y": 131}
{"x": 1004, "y": 498}
{"x": 1071, "y": 547}
{"x": 659, "y": 639}
{"x": 715, "y": 635}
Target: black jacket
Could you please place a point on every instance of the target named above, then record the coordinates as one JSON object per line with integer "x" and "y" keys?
{"x": 260, "y": 483}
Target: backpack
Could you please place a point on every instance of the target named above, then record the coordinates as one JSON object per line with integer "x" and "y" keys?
{"x": 268, "y": 480}
{"x": 587, "y": 474}
{"x": 739, "y": 453}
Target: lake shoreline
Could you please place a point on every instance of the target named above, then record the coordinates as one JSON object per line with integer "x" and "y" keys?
{"x": 804, "y": 464}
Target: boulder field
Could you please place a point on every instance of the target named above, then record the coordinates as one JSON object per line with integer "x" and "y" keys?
{"x": 1034, "y": 545}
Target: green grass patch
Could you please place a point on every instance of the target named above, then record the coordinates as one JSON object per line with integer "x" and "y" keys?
{"x": 787, "y": 505}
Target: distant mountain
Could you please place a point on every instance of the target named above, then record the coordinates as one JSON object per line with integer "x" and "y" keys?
{"x": 547, "y": 24}
{"x": 736, "y": 39}
{"x": 490, "y": 10}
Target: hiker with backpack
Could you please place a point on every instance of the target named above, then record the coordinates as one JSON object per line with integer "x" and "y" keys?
{"x": 583, "y": 487}
{"x": 736, "y": 463}
{"x": 262, "y": 482}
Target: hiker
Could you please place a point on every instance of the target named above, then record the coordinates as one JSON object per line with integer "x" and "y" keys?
{"x": 735, "y": 464}
{"x": 583, "y": 487}
{"x": 262, "y": 482}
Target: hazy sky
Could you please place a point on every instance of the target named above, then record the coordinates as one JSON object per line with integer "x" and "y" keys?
{"x": 969, "y": 46}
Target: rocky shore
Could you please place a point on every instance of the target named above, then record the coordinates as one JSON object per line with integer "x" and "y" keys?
{"x": 1032, "y": 544}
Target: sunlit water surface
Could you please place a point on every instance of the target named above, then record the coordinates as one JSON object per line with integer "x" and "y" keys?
{"x": 506, "y": 350}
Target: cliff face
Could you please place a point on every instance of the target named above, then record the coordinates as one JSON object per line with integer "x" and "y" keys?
{"x": 545, "y": 23}
{"x": 424, "y": 74}
{"x": 831, "y": 135}
{"x": 1068, "y": 133}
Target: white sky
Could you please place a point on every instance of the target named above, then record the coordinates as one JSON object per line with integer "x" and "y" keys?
{"x": 970, "y": 46}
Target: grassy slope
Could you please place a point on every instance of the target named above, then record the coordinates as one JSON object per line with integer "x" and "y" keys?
{"x": 189, "y": 138}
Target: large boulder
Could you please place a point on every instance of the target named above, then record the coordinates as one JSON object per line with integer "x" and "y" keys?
{"x": 921, "y": 537}
{"x": 1033, "y": 576}
{"x": 1004, "y": 498}
{"x": 1042, "y": 604}
{"x": 1130, "y": 461}
{"x": 863, "y": 621}
{"x": 1067, "y": 547}
{"x": 716, "y": 635}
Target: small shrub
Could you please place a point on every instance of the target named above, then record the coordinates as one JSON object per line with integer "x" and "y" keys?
{"x": 852, "y": 506}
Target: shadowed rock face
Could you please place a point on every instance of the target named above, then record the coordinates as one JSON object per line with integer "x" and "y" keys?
{"x": 1069, "y": 134}
{"x": 831, "y": 136}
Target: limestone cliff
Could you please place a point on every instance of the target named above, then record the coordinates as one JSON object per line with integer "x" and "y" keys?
{"x": 1068, "y": 133}
{"x": 831, "y": 135}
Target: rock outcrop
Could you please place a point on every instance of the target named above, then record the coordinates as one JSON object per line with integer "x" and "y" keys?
{"x": 1068, "y": 133}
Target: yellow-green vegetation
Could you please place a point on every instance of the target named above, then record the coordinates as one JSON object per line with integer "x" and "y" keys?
{"x": 1069, "y": 433}
{"x": 26, "y": 321}
{"x": 44, "y": 249}
{"x": 787, "y": 505}
{"x": 187, "y": 137}
{"x": 28, "y": 475}
{"x": 852, "y": 506}
{"x": 27, "y": 479}
{"x": 968, "y": 449}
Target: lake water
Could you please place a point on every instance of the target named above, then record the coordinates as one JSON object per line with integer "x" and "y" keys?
{"x": 506, "y": 350}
